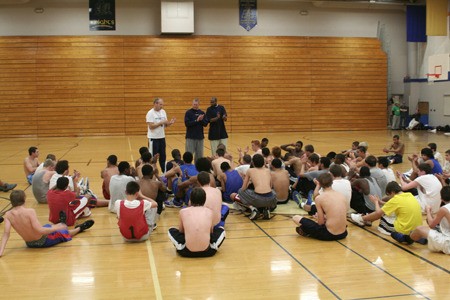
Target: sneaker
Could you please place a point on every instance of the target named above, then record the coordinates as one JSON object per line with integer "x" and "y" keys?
{"x": 422, "y": 241}
{"x": 255, "y": 214}
{"x": 266, "y": 214}
{"x": 238, "y": 207}
{"x": 432, "y": 130}
{"x": 8, "y": 187}
{"x": 357, "y": 218}
{"x": 62, "y": 217}
{"x": 310, "y": 199}
{"x": 299, "y": 231}
{"x": 86, "y": 183}
{"x": 80, "y": 183}
{"x": 172, "y": 203}
{"x": 86, "y": 225}
{"x": 92, "y": 203}
{"x": 383, "y": 231}
{"x": 90, "y": 193}
{"x": 402, "y": 238}
{"x": 154, "y": 227}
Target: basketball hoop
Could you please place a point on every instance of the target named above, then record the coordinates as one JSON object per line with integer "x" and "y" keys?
{"x": 437, "y": 72}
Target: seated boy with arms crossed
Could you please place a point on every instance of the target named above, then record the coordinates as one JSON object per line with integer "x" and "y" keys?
{"x": 136, "y": 217}
{"x": 196, "y": 236}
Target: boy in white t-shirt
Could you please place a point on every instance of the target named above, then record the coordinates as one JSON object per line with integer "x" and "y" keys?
{"x": 437, "y": 241}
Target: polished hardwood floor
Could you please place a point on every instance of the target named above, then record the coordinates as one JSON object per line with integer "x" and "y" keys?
{"x": 258, "y": 260}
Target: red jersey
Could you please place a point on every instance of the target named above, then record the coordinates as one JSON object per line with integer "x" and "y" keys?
{"x": 59, "y": 201}
{"x": 132, "y": 223}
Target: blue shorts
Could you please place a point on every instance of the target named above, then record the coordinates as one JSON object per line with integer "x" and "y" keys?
{"x": 29, "y": 178}
{"x": 51, "y": 239}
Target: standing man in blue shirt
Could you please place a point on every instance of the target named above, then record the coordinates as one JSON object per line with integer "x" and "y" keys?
{"x": 195, "y": 120}
{"x": 217, "y": 115}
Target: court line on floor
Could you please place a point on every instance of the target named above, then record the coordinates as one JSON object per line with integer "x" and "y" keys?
{"x": 298, "y": 262}
{"x": 131, "y": 150}
{"x": 381, "y": 269}
{"x": 151, "y": 259}
{"x": 384, "y": 297}
{"x": 407, "y": 250}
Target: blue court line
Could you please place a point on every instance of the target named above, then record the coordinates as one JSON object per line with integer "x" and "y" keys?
{"x": 383, "y": 270}
{"x": 294, "y": 258}
{"x": 408, "y": 251}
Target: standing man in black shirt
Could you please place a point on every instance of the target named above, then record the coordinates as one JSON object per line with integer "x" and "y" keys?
{"x": 195, "y": 120}
{"x": 217, "y": 115}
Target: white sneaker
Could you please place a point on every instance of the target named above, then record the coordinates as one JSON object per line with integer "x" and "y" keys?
{"x": 254, "y": 215}
{"x": 238, "y": 207}
{"x": 383, "y": 231}
{"x": 432, "y": 130}
{"x": 357, "y": 218}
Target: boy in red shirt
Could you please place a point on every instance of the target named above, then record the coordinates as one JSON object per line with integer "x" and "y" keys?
{"x": 136, "y": 217}
{"x": 64, "y": 205}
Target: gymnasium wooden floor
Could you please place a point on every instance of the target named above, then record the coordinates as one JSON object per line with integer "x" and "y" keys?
{"x": 258, "y": 260}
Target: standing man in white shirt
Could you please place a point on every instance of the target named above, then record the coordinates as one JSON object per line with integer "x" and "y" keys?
{"x": 157, "y": 121}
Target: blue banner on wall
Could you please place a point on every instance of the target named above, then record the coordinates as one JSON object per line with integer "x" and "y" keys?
{"x": 416, "y": 19}
{"x": 248, "y": 17}
{"x": 102, "y": 15}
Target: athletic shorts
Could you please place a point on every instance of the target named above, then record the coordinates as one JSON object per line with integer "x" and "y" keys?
{"x": 178, "y": 240}
{"x": 320, "y": 232}
{"x": 438, "y": 242}
{"x": 51, "y": 239}
{"x": 249, "y": 197}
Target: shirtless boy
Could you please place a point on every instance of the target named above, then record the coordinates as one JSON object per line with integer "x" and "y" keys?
{"x": 280, "y": 181}
{"x": 397, "y": 149}
{"x": 196, "y": 235}
{"x": 262, "y": 195}
{"x": 26, "y": 224}
{"x": 331, "y": 214}
{"x": 31, "y": 163}
{"x": 106, "y": 174}
{"x": 153, "y": 188}
{"x": 213, "y": 199}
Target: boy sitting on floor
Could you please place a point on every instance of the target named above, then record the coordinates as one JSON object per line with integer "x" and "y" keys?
{"x": 197, "y": 236}
{"x": 331, "y": 207}
{"x": 136, "y": 217}
{"x": 26, "y": 224}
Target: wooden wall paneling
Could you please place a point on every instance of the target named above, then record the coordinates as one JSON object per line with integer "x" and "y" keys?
{"x": 104, "y": 85}
{"x": 352, "y": 74}
{"x": 270, "y": 84}
{"x": 82, "y": 78}
{"x": 177, "y": 70}
{"x": 17, "y": 86}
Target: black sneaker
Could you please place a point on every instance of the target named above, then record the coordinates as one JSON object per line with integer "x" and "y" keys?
{"x": 62, "y": 217}
{"x": 266, "y": 214}
{"x": 299, "y": 231}
{"x": 7, "y": 187}
{"x": 86, "y": 225}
